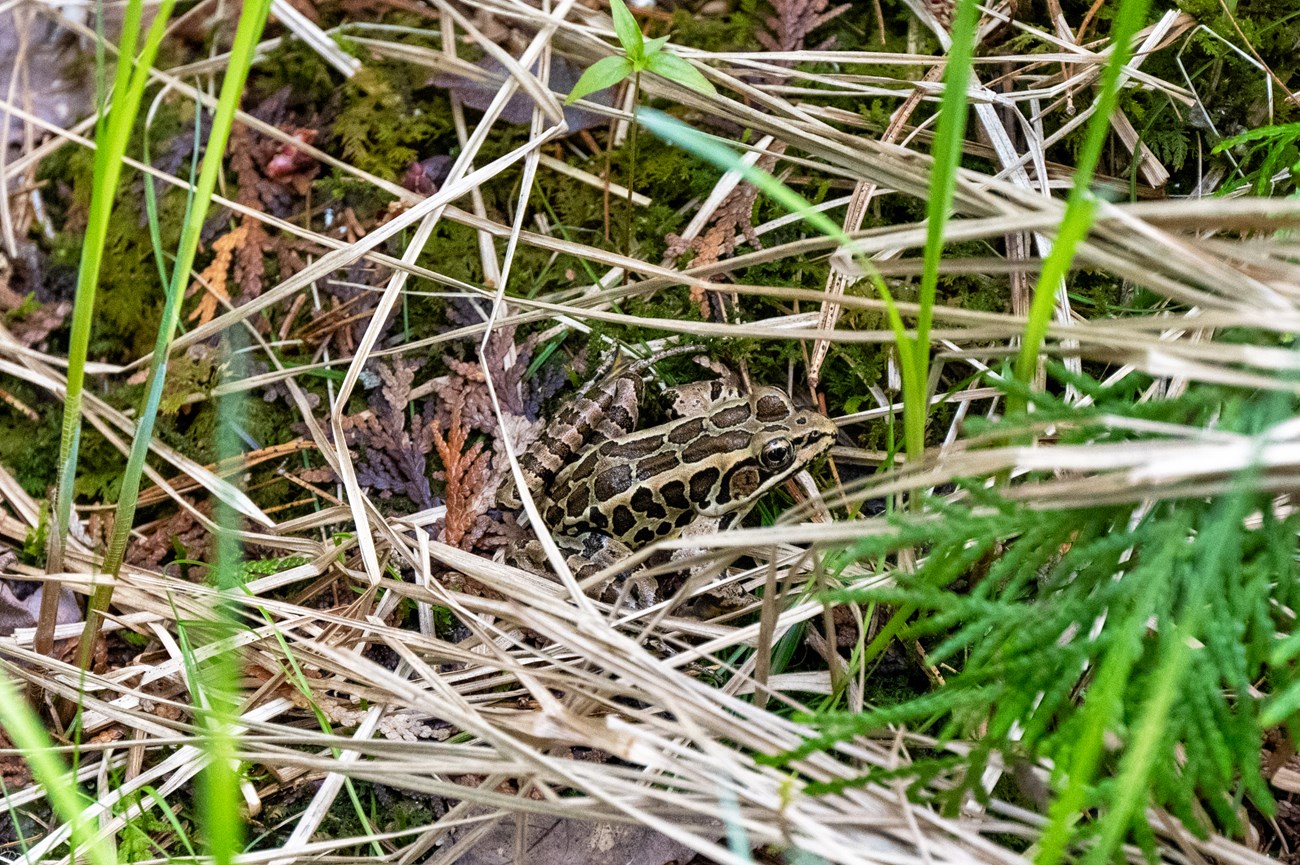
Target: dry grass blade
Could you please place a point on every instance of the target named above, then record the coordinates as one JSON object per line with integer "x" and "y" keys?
{"x": 542, "y": 701}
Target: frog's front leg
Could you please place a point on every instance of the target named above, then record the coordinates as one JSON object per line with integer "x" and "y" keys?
{"x": 697, "y": 568}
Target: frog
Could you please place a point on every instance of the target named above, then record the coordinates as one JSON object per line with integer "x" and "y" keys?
{"x": 606, "y": 489}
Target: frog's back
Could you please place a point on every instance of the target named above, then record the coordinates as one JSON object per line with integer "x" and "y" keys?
{"x": 651, "y": 484}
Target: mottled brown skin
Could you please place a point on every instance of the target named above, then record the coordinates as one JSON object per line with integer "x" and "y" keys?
{"x": 605, "y": 489}
{"x": 607, "y": 408}
{"x": 649, "y": 485}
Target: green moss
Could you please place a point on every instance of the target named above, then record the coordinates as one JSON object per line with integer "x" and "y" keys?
{"x": 453, "y": 250}
{"x": 29, "y": 448}
{"x": 186, "y": 375}
{"x": 129, "y": 303}
{"x": 732, "y": 32}
{"x": 129, "y": 300}
{"x": 296, "y": 66}
{"x": 383, "y": 126}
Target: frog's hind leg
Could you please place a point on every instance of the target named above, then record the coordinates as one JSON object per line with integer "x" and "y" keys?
{"x": 588, "y": 554}
{"x": 601, "y": 412}
{"x": 591, "y": 553}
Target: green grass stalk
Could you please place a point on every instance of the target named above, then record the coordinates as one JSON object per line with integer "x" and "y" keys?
{"x": 220, "y": 802}
{"x": 151, "y": 195}
{"x": 1081, "y": 206}
{"x": 631, "y": 168}
{"x": 27, "y": 731}
{"x": 112, "y": 135}
{"x": 251, "y": 22}
{"x": 949, "y": 144}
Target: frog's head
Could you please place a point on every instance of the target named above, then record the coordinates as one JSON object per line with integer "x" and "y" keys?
{"x": 778, "y": 441}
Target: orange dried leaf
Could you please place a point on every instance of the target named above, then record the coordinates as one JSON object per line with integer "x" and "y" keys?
{"x": 466, "y": 472}
{"x": 216, "y": 274}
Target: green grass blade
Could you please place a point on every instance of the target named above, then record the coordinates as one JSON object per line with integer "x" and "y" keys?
{"x": 172, "y": 818}
{"x": 251, "y": 22}
{"x": 110, "y": 147}
{"x": 1077, "y": 221}
{"x": 949, "y": 144}
{"x": 151, "y": 195}
{"x": 113, "y": 135}
{"x": 27, "y": 732}
{"x": 220, "y": 804}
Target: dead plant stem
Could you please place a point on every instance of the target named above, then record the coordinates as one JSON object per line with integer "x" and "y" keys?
{"x": 631, "y": 167}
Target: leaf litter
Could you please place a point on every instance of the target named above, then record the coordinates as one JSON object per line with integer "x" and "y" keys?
{"x": 524, "y": 667}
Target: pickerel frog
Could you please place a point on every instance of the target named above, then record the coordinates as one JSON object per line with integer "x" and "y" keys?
{"x": 606, "y": 489}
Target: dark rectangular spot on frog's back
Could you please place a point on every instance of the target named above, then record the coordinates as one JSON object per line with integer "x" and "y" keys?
{"x": 644, "y": 503}
{"x": 621, "y": 417}
{"x": 560, "y": 449}
{"x": 576, "y": 505}
{"x": 634, "y": 447}
{"x": 684, "y": 432}
{"x": 739, "y": 483}
{"x": 584, "y": 467}
{"x": 655, "y": 465}
{"x": 613, "y": 481}
{"x": 729, "y": 417}
{"x": 710, "y": 446}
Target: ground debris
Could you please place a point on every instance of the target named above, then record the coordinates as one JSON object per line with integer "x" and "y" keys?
{"x": 470, "y": 484}
{"x": 390, "y": 456}
{"x": 181, "y": 535}
{"x": 563, "y": 840}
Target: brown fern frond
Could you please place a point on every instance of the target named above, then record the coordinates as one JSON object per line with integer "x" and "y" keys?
{"x": 389, "y": 456}
{"x": 794, "y": 20}
{"x": 467, "y": 472}
{"x": 216, "y": 274}
{"x": 734, "y": 218}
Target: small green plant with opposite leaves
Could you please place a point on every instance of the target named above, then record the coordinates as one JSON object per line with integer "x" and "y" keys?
{"x": 639, "y": 55}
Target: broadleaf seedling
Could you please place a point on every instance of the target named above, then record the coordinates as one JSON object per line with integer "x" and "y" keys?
{"x": 640, "y": 55}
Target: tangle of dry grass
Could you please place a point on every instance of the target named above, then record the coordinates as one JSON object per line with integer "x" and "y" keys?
{"x": 496, "y": 722}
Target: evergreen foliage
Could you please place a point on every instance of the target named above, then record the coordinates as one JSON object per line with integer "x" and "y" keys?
{"x": 1137, "y": 651}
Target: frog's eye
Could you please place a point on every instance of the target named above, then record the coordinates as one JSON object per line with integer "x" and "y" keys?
{"x": 777, "y": 454}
